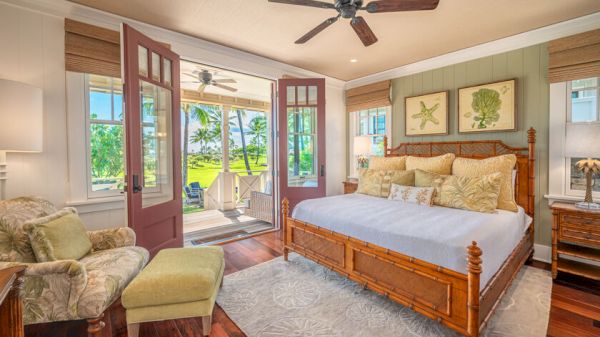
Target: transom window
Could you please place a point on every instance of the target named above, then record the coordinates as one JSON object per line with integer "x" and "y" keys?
{"x": 583, "y": 106}
{"x": 372, "y": 123}
{"x": 104, "y": 116}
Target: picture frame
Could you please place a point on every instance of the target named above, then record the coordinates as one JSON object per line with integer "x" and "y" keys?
{"x": 426, "y": 115}
{"x": 489, "y": 107}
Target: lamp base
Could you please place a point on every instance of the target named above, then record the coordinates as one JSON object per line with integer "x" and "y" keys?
{"x": 588, "y": 205}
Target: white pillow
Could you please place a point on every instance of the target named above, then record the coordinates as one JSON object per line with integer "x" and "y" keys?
{"x": 412, "y": 195}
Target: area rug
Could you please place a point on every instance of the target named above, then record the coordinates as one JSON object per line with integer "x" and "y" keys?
{"x": 301, "y": 298}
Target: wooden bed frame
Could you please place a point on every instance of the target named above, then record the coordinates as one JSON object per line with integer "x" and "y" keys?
{"x": 452, "y": 298}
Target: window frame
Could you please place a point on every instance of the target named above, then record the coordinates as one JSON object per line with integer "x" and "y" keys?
{"x": 91, "y": 194}
{"x": 354, "y": 130}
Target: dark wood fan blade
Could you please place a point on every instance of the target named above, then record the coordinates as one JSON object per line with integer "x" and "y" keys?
{"x": 225, "y": 87}
{"x": 363, "y": 31}
{"x": 225, "y": 80}
{"x": 191, "y": 75}
{"x": 310, "y": 3}
{"x": 317, "y": 30}
{"x": 383, "y": 6}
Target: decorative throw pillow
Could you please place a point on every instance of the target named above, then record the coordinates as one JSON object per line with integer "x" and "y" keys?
{"x": 440, "y": 164}
{"x": 58, "y": 236}
{"x": 378, "y": 182}
{"x": 428, "y": 179}
{"x": 504, "y": 164}
{"x": 478, "y": 194}
{"x": 388, "y": 163}
{"x": 412, "y": 195}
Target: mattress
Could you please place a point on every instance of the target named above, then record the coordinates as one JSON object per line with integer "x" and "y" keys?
{"x": 438, "y": 235}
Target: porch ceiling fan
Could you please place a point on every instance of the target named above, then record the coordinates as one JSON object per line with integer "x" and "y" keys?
{"x": 205, "y": 78}
{"x": 348, "y": 9}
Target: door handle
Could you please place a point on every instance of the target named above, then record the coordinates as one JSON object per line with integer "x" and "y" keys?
{"x": 322, "y": 170}
{"x": 136, "y": 184}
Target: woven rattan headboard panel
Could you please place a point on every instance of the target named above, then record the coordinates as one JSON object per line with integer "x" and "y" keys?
{"x": 479, "y": 149}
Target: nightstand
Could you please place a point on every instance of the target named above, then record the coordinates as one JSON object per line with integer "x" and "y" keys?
{"x": 350, "y": 186}
{"x": 575, "y": 233}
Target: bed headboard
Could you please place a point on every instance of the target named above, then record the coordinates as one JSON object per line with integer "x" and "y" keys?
{"x": 479, "y": 149}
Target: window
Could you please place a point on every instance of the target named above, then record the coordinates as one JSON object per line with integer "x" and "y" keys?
{"x": 104, "y": 116}
{"x": 583, "y": 106}
{"x": 372, "y": 123}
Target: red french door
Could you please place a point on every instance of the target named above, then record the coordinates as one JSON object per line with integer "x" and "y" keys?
{"x": 152, "y": 138}
{"x": 301, "y": 139}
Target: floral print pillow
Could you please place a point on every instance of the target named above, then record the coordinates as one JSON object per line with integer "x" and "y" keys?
{"x": 412, "y": 195}
{"x": 479, "y": 194}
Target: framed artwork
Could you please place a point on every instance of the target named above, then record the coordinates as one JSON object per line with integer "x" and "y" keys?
{"x": 488, "y": 107}
{"x": 426, "y": 115}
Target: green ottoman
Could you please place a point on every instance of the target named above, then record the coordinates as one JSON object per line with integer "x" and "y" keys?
{"x": 177, "y": 283}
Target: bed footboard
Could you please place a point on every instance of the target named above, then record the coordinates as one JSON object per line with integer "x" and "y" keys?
{"x": 439, "y": 293}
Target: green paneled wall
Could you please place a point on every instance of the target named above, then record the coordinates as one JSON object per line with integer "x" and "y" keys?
{"x": 529, "y": 66}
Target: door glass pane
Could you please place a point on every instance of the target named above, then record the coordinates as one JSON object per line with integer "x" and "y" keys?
{"x": 302, "y": 151}
{"x": 143, "y": 61}
{"x": 312, "y": 95}
{"x": 155, "y": 67}
{"x": 157, "y": 156}
{"x": 302, "y": 95}
{"x": 291, "y": 95}
{"x": 167, "y": 71}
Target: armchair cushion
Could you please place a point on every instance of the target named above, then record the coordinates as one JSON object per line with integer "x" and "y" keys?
{"x": 109, "y": 272}
{"x": 58, "y": 236}
{"x": 14, "y": 242}
{"x": 112, "y": 238}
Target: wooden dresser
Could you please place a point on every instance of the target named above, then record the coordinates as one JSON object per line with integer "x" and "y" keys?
{"x": 575, "y": 233}
{"x": 11, "y": 308}
{"x": 350, "y": 186}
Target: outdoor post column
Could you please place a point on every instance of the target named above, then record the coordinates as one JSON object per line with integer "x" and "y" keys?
{"x": 225, "y": 137}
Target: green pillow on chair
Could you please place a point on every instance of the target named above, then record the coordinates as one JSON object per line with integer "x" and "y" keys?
{"x": 58, "y": 236}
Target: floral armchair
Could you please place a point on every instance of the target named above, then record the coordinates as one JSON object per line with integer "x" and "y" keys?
{"x": 68, "y": 289}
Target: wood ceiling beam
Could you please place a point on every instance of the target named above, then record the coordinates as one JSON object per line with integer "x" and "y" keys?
{"x": 236, "y": 102}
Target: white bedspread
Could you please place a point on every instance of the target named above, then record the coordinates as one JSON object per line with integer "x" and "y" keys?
{"x": 435, "y": 234}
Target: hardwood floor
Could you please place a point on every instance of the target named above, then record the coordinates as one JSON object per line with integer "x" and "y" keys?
{"x": 573, "y": 311}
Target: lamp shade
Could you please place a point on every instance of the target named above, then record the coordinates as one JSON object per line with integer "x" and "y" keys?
{"x": 21, "y": 117}
{"x": 362, "y": 145}
{"x": 583, "y": 140}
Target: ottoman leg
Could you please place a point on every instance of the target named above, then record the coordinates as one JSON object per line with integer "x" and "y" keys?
{"x": 133, "y": 330}
{"x": 206, "y": 324}
{"x": 95, "y": 326}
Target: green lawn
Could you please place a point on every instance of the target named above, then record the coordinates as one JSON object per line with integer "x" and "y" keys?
{"x": 206, "y": 175}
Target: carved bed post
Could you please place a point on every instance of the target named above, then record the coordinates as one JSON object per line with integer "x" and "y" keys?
{"x": 531, "y": 175}
{"x": 285, "y": 210}
{"x": 473, "y": 273}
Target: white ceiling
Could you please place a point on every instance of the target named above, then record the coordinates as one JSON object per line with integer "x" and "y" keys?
{"x": 270, "y": 29}
{"x": 250, "y": 87}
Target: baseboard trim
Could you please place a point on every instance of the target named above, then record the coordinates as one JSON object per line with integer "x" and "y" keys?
{"x": 542, "y": 253}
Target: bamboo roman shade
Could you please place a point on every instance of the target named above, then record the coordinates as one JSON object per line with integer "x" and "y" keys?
{"x": 574, "y": 57}
{"x": 368, "y": 96}
{"x": 91, "y": 49}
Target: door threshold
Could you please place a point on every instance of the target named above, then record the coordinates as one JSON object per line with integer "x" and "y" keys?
{"x": 233, "y": 238}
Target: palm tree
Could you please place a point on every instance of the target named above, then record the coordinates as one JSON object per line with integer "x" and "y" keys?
{"x": 239, "y": 113}
{"x": 203, "y": 137}
{"x": 258, "y": 129}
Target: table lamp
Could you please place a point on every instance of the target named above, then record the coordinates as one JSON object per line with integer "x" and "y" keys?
{"x": 583, "y": 141}
{"x": 21, "y": 123}
{"x": 362, "y": 149}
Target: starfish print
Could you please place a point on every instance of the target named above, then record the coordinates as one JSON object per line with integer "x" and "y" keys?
{"x": 426, "y": 115}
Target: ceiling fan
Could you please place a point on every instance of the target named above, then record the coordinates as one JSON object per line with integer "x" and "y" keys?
{"x": 205, "y": 78}
{"x": 347, "y": 9}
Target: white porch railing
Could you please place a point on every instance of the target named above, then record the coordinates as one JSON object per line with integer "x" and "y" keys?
{"x": 230, "y": 188}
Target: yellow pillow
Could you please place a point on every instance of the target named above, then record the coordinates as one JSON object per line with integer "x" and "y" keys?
{"x": 478, "y": 194}
{"x": 504, "y": 164}
{"x": 429, "y": 179}
{"x": 388, "y": 163}
{"x": 378, "y": 182}
{"x": 440, "y": 164}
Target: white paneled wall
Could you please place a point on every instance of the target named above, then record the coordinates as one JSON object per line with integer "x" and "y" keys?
{"x": 32, "y": 40}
